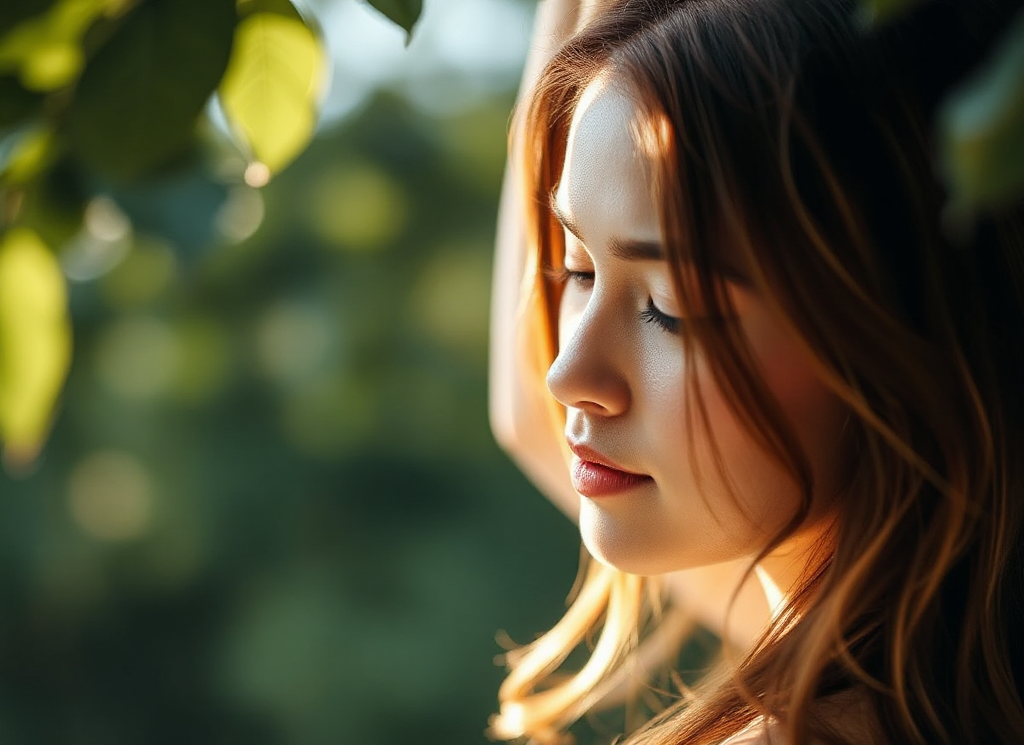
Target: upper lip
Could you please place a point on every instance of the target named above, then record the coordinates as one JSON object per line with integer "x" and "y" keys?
{"x": 584, "y": 452}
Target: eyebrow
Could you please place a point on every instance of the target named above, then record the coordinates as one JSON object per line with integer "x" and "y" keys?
{"x": 629, "y": 250}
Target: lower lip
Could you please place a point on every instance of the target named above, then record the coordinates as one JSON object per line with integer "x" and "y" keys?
{"x": 594, "y": 480}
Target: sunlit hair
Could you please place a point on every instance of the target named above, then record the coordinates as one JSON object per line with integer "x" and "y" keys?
{"x": 795, "y": 152}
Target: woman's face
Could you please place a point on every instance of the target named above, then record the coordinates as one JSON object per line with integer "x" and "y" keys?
{"x": 647, "y": 506}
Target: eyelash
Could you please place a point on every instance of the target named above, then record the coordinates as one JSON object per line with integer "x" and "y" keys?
{"x": 650, "y": 314}
{"x": 668, "y": 323}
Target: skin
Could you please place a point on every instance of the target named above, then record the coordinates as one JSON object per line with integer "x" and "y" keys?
{"x": 621, "y": 378}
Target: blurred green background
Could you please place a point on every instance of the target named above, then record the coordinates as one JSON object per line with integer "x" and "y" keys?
{"x": 271, "y": 510}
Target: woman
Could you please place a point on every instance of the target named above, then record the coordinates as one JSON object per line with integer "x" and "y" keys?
{"x": 765, "y": 353}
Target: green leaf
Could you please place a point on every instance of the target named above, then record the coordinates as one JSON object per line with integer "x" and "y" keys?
{"x": 25, "y": 154}
{"x": 284, "y": 8}
{"x": 14, "y": 13}
{"x": 880, "y": 11}
{"x": 273, "y": 86}
{"x": 138, "y": 101}
{"x": 403, "y": 12}
{"x": 53, "y": 205}
{"x": 16, "y": 103}
{"x": 46, "y": 50}
{"x": 35, "y": 343}
{"x": 981, "y": 129}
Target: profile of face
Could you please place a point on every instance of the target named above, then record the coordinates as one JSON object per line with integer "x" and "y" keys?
{"x": 647, "y": 506}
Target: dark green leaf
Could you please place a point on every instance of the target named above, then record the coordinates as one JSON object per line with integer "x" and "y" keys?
{"x": 880, "y": 11}
{"x": 403, "y": 12}
{"x": 278, "y": 7}
{"x": 982, "y": 129}
{"x": 54, "y": 204}
{"x": 137, "y": 103}
{"x": 14, "y": 12}
{"x": 16, "y": 103}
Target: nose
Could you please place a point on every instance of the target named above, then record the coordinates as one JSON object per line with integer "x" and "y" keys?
{"x": 589, "y": 372}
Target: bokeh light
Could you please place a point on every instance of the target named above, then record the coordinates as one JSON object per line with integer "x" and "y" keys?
{"x": 358, "y": 208}
{"x": 111, "y": 496}
{"x": 137, "y": 357}
{"x": 149, "y": 270}
{"x": 449, "y": 301}
{"x": 293, "y": 341}
{"x": 103, "y": 242}
{"x": 241, "y": 215}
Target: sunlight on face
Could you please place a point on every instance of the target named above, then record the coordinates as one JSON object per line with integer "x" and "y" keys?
{"x": 647, "y": 507}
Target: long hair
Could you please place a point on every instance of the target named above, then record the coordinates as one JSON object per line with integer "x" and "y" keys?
{"x": 797, "y": 148}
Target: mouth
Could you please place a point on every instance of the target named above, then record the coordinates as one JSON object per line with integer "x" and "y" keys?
{"x": 594, "y": 475}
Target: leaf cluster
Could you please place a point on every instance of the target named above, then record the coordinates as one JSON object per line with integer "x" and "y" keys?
{"x": 981, "y": 125}
{"x": 102, "y": 96}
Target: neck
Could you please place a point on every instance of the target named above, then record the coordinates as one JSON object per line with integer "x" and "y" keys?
{"x": 715, "y": 597}
{"x": 781, "y": 573}
{"x": 741, "y": 614}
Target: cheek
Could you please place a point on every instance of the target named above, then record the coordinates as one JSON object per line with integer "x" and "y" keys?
{"x": 750, "y": 490}
{"x": 815, "y": 414}
{"x": 740, "y": 483}
{"x": 718, "y": 471}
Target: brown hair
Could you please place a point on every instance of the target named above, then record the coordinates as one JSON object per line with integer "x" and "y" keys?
{"x": 798, "y": 153}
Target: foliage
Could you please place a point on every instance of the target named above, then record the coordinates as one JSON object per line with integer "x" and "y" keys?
{"x": 878, "y": 11}
{"x": 109, "y": 97}
{"x": 981, "y": 125}
{"x": 33, "y": 321}
{"x": 403, "y": 12}
{"x": 271, "y": 91}
{"x": 982, "y": 128}
{"x": 160, "y": 92}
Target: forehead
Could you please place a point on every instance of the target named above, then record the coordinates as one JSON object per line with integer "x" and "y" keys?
{"x": 605, "y": 186}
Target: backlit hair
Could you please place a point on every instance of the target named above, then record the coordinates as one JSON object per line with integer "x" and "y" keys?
{"x": 795, "y": 150}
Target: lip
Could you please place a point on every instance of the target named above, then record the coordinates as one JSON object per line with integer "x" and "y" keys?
{"x": 594, "y": 475}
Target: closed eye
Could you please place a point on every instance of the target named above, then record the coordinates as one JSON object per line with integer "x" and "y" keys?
{"x": 651, "y": 314}
{"x": 562, "y": 276}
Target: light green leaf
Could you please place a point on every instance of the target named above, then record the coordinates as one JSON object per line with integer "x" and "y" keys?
{"x": 45, "y": 50}
{"x": 982, "y": 129}
{"x": 273, "y": 86}
{"x": 35, "y": 343}
{"x": 403, "y": 12}
{"x": 29, "y": 152}
{"x": 137, "y": 103}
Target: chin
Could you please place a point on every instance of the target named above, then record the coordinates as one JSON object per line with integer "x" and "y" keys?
{"x": 628, "y": 564}
{"x": 629, "y": 549}
{"x": 644, "y": 545}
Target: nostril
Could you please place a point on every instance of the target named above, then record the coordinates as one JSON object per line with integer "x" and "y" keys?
{"x": 587, "y": 382}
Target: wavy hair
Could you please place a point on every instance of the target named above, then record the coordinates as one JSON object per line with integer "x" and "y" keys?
{"x": 796, "y": 147}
